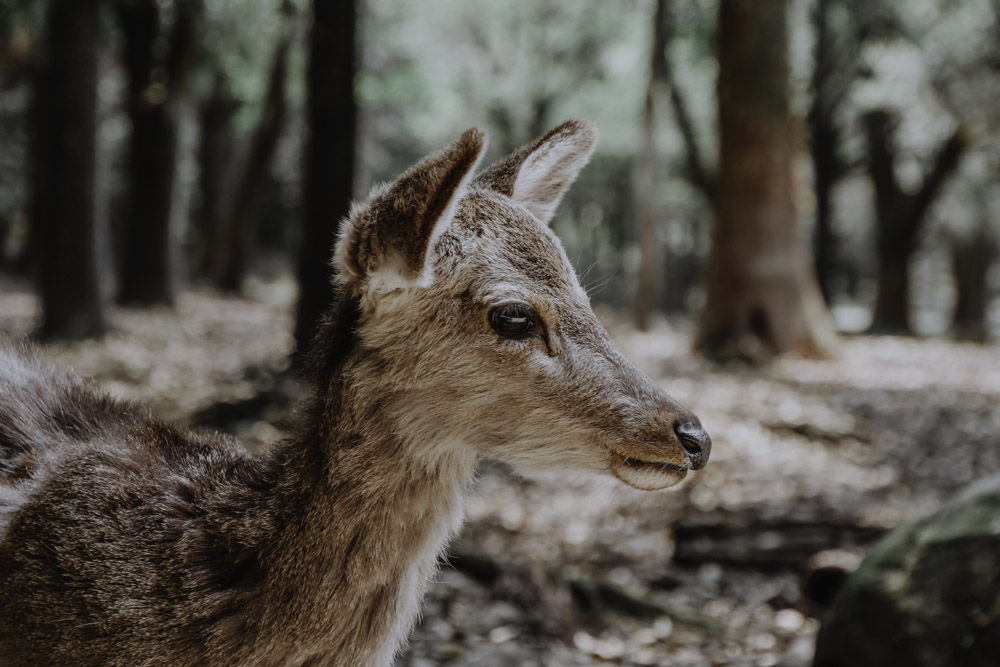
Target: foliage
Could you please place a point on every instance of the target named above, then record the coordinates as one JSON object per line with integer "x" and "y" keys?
{"x": 239, "y": 41}
{"x": 431, "y": 69}
{"x": 514, "y": 68}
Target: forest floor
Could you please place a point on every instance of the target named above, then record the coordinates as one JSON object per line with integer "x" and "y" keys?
{"x": 808, "y": 457}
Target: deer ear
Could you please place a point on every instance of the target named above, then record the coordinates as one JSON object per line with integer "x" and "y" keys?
{"x": 538, "y": 175}
{"x": 386, "y": 240}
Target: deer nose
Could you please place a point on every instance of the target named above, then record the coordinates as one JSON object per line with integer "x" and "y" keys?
{"x": 696, "y": 443}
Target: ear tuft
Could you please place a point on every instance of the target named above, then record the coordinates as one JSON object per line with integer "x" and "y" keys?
{"x": 538, "y": 175}
{"x": 387, "y": 240}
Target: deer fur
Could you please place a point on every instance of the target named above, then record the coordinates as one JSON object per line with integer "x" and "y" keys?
{"x": 125, "y": 541}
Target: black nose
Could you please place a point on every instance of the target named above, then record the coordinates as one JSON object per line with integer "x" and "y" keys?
{"x": 695, "y": 442}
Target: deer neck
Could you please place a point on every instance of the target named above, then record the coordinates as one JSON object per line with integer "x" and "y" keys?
{"x": 374, "y": 509}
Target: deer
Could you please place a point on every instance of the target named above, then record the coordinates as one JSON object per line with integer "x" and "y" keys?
{"x": 458, "y": 330}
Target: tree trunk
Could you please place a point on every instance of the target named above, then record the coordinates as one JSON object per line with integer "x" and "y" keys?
{"x": 4, "y": 231}
{"x": 647, "y": 208}
{"x": 238, "y": 229}
{"x": 829, "y": 89}
{"x": 971, "y": 262}
{"x": 65, "y": 187}
{"x": 892, "y": 304}
{"x": 900, "y": 217}
{"x": 762, "y": 298}
{"x": 155, "y": 93}
{"x": 215, "y": 153}
{"x": 329, "y": 170}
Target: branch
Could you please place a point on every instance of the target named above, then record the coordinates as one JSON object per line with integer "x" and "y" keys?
{"x": 945, "y": 163}
{"x": 232, "y": 265}
{"x": 699, "y": 175}
{"x": 897, "y": 210}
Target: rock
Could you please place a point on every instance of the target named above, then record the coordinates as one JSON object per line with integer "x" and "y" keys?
{"x": 927, "y": 595}
{"x": 827, "y": 572}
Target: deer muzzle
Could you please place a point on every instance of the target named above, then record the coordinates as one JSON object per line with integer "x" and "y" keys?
{"x": 673, "y": 444}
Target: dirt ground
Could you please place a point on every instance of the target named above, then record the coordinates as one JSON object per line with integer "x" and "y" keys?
{"x": 808, "y": 457}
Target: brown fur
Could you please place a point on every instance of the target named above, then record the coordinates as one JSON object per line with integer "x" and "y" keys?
{"x": 125, "y": 541}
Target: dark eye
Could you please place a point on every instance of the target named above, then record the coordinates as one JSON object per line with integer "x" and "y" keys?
{"x": 513, "y": 320}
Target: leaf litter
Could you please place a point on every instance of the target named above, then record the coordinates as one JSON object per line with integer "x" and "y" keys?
{"x": 565, "y": 569}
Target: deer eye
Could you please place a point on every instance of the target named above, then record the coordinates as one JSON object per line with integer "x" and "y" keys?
{"x": 513, "y": 320}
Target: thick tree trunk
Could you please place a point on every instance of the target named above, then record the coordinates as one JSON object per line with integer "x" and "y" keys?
{"x": 65, "y": 187}
{"x": 155, "y": 92}
{"x": 238, "y": 230}
{"x": 762, "y": 298}
{"x": 329, "y": 171}
{"x": 900, "y": 217}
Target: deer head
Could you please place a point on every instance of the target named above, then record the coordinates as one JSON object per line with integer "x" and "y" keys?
{"x": 474, "y": 335}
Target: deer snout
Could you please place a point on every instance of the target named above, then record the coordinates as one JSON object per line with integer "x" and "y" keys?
{"x": 671, "y": 444}
{"x": 696, "y": 443}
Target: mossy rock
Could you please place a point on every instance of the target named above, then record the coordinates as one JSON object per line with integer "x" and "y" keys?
{"x": 927, "y": 595}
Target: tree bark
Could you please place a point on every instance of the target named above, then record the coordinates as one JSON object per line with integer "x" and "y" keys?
{"x": 762, "y": 298}
{"x": 238, "y": 230}
{"x": 65, "y": 187}
{"x": 329, "y": 169}
{"x": 900, "y": 217}
{"x": 155, "y": 94}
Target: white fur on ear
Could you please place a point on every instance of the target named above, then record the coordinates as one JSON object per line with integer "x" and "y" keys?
{"x": 549, "y": 170}
{"x": 386, "y": 243}
{"x": 441, "y": 226}
{"x": 392, "y": 273}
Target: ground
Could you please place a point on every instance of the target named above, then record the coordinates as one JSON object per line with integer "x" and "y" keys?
{"x": 809, "y": 456}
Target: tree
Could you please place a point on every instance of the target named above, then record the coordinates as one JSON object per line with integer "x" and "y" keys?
{"x": 215, "y": 152}
{"x": 156, "y": 87}
{"x": 680, "y": 269}
{"x": 900, "y": 216}
{"x": 832, "y": 76}
{"x": 842, "y": 28}
{"x": 971, "y": 262}
{"x": 761, "y": 296}
{"x": 647, "y": 213}
{"x": 238, "y": 228}
{"x": 65, "y": 211}
{"x": 329, "y": 168}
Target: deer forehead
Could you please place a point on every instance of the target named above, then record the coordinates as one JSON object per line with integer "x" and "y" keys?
{"x": 503, "y": 253}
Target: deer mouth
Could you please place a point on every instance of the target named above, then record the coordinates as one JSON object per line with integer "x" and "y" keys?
{"x": 646, "y": 475}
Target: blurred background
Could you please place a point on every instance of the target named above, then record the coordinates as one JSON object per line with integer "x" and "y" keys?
{"x": 791, "y": 222}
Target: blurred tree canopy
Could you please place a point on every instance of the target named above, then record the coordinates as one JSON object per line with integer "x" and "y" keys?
{"x": 203, "y": 128}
